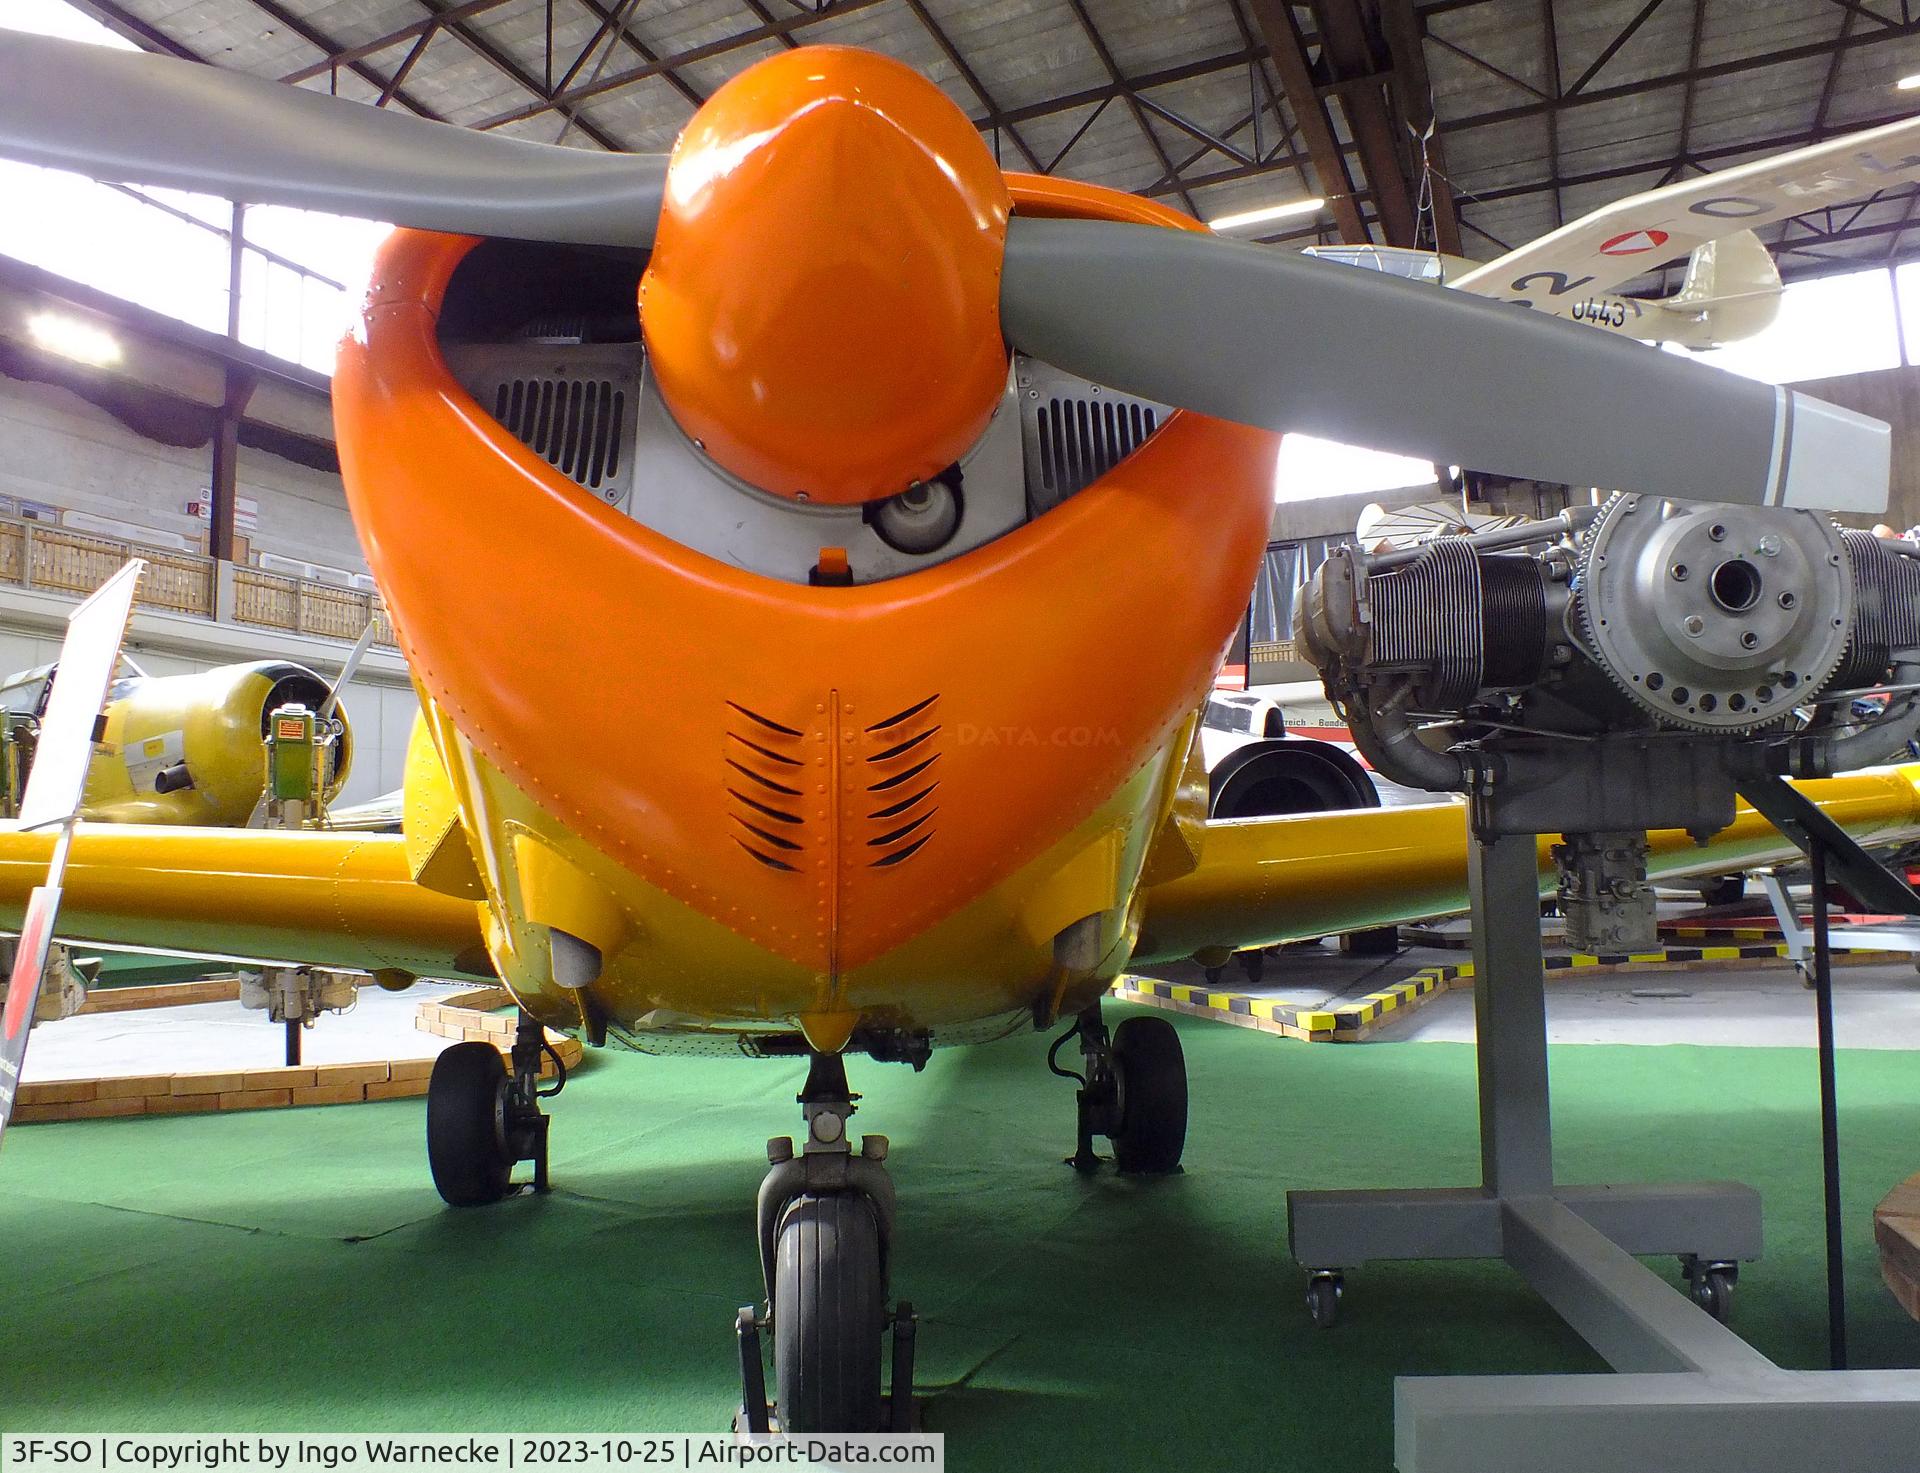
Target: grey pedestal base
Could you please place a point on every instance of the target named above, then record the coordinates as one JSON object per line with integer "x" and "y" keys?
{"x": 1688, "y": 1393}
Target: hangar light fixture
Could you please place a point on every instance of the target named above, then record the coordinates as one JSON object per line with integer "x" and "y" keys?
{"x": 1269, "y": 212}
{"x": 1909, "y": 84}
{"x": 72, "y": 338}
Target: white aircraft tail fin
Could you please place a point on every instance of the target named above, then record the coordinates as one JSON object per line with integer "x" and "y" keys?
{"x": 1732, "y": 285}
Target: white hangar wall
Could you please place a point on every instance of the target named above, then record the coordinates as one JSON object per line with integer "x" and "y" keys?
{"x": 59, "y": 450}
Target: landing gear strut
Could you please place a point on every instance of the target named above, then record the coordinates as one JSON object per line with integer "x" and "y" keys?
{"x": 826, "y": 1229}
{"x": 481, "y": 1119}
{"x": 1134, "y": 1092}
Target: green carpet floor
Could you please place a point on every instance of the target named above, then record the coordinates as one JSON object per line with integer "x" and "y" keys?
{"x": 293, "y": 1270}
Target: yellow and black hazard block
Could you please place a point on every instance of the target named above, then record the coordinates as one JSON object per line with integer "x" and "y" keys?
{"x": 1346, "y": 1021}
{"x": 1355, "y": 1021}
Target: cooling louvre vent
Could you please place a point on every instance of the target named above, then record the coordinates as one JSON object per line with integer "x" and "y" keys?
{"x": 575, "y": 405}
{"x": 1082, "y": 439}
{"x": 763, "y": 780}
{"x": 903, "y": 774}
{"x": 1074, "y": 431}
{"x": 576, "y": 425}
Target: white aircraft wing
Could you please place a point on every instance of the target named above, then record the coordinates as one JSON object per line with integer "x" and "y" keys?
{"x": 1564, "y": 269}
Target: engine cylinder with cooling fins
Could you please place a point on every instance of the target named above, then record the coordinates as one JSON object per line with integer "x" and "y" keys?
{"x": 1456, "y": 620}
{"x": 1642, "y": 615}
{"x": 1886, "y": 608}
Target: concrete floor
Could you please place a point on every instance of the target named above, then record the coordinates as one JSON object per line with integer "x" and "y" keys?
{"x": 224, "y": 1035}
{"x": 1876, "y": 1005}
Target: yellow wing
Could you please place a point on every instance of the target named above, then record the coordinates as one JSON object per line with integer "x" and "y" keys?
{"x": 1263, "y": 881}
{"x": 342, "y": 900}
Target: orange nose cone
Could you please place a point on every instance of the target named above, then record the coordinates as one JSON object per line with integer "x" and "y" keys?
{"x": 822, "y": 307}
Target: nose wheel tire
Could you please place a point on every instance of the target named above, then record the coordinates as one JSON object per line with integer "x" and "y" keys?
{"x": 828, "y": 1315}
{"x": 1152, "y": 1076}
{"x": 465, "y": 1146}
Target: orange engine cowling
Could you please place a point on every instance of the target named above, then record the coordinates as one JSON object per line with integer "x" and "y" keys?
{"x": 822, "y": 305}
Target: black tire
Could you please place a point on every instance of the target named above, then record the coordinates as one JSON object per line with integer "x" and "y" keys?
{"x": 1153, "y": 1096}
{"x": 1726, "y": 890}
{"x": 1712, "y": 1290}
{"x": 828, "y": 1314}
{"x": 468, "y": 1159}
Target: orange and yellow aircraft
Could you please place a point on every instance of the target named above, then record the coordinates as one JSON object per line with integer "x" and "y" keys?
{"x": 811, "y": 595}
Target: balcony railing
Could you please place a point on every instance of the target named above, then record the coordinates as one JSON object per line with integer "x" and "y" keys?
{"x": 42, "y": 556}
{"x": 1271, "y": 651}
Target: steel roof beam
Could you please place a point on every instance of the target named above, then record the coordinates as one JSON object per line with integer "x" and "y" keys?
{"x": 364, "y": 49}
{"x": 1735, "y": 68}
{"x": 1413, "y": 94}
{"x": 959, "y": 63}
{"x": 632, "y": 75}
{"x": 1288, "y": 49}
{"x": 1067, "y": 102}
{"x": 1354, "y": 63}
{"x": 1132, "y": 100}
{"x": 1680, "y": 153}
{"x": 1758, "y": 146}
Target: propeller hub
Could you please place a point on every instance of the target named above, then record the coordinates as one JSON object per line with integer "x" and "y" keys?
{"x": 822, "y": 304}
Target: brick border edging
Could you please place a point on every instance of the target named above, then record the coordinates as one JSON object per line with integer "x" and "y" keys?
{"x": 1896, "y": 1233}
{"x": 115, "y": 1096}
{"x": 154, "y": 995}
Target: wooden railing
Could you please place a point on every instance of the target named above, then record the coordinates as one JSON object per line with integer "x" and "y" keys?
{"x": 276, "y": 601}
{"x": 54, "y": 559}
{"x": 1271, "y": 651}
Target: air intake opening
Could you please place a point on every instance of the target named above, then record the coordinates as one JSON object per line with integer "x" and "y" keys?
{"x": 575, "y": 425}
{"x": 1082, "y": 439}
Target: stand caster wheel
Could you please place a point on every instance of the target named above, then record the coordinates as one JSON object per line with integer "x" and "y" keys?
{"x": 1152, "y": 1130}
{"x": 466, "y": 1128}
{"x": 1711, "y": 1287}
{"x": 828, "y": 1316}
{"x": 1323, "y": 1299}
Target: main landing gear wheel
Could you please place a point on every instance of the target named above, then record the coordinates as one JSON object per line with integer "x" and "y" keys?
{"x": 1134, "y": 1092}
{"x": 1152, "y": 1070}
{"x": 829, "y": 1314}
{"x": 482, "y": 1118}
{"x": 466, "y": 1146}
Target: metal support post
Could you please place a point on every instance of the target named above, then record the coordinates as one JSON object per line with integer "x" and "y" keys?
{"x": 1686, "y": 1391}
{"x": 1829, "y": 1114}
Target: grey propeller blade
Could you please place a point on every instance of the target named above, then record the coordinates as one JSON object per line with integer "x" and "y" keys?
{"x": 1269, "y": 338}
{"x": 133, "y": 118}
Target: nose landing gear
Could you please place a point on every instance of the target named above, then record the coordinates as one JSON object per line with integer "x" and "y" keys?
{"x": 481, "y": 1119}
{"x": 1134, "y": 1092}
{"x": 826, "y": 1229}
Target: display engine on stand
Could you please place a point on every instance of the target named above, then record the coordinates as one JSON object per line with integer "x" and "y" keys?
{"x": 1641, "y": 665}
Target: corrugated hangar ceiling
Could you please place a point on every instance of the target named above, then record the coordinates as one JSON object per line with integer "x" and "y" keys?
{"x": 1476, "y": 124}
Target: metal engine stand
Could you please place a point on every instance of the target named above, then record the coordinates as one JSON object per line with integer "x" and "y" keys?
{"x": 1689, "y": 1393}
